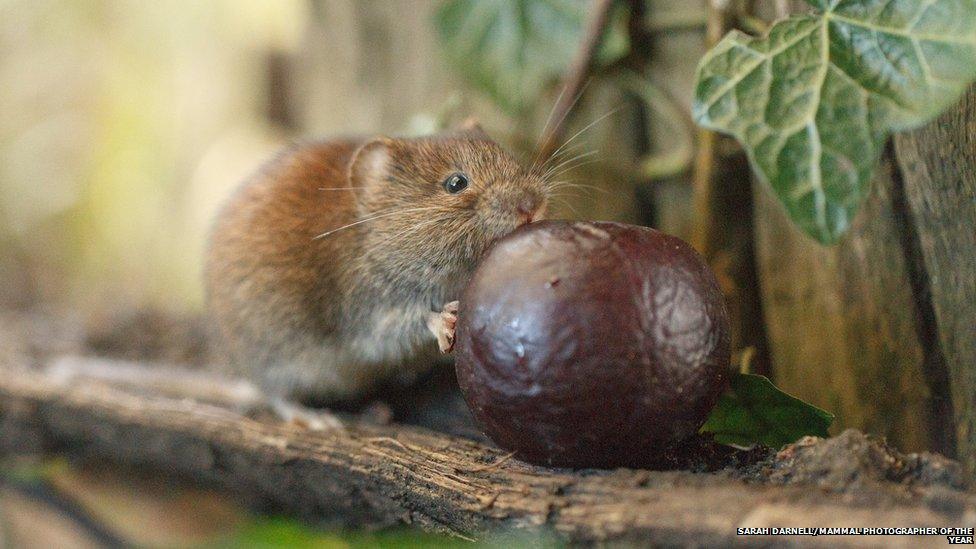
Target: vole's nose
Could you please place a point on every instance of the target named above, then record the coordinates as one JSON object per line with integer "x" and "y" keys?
{"x": 528, "y": 208}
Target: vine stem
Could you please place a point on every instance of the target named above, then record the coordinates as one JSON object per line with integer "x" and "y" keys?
{"x": 717, "y": 23}
{"x": 575, "y": 79}
{"x": 723, "y": 211}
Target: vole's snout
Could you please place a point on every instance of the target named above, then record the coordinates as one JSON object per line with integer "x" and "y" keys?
{"x": 529, "y": 209}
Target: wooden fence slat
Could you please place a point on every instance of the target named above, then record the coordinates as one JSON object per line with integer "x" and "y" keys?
{"x": 938, "y": 163}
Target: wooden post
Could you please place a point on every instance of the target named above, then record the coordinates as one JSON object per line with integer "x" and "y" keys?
{"x": 841, "y": 319}
{"x": 938, "y": 167}
{"x": 881, "y": 328}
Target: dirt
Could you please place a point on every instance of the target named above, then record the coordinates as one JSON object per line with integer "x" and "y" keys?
{"x": 854, "y": 461}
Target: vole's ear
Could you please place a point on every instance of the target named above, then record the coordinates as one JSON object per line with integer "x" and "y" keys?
{"x": 471, "y": 126}
{"x": 370, "y": 161}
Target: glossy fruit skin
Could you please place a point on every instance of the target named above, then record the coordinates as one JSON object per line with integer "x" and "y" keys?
{"x": 592, "y": 344}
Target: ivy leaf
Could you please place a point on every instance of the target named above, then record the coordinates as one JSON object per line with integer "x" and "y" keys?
{"x": 814, "y": 101}
{"x": 755, "y": 411}
{"x": 513, "y": 49}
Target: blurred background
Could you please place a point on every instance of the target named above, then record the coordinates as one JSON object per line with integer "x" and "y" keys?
{"x": 125, "y": 123}
{"x": 122, "y": 124}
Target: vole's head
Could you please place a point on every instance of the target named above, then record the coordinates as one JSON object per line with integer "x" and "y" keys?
{"x": 438, "y": 202}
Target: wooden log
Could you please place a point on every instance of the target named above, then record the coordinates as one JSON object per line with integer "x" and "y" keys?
{"x": 938, "y": 163}
{"x": 388, "y": 475}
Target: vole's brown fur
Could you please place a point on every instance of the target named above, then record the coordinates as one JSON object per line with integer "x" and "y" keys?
{"x": 326, "y": 269}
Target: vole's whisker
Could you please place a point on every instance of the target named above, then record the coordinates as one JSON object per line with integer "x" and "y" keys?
{"x": 409, "y": 230}
{"x": 557, "y": 156}
{"x": 560, "y": 199}
{"x": 585, "y": 128}
{"x": 569, "y": 160}
{"x": 567, "y": 164}
{"x": 571, "y": 185}
{"x": 570, "y": 167}
{"x": 545, "y": 143}
{"x": 415, "y": 227}
{"x": 373, "y": 218}
{"x": 545, "y": 127}
{"x": 568, "y": 182}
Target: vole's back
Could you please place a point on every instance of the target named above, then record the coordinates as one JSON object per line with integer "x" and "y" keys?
{"x": 271, "y": 286}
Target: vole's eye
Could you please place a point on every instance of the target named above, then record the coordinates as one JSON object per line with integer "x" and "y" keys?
{"x": 456, "y": 183}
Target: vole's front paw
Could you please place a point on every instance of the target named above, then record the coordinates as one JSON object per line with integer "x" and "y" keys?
{"x": 306, "y": 418}
{"x": 442, "y": 326}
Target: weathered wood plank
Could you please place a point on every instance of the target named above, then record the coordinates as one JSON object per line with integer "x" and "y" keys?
{"x": 367, "y": 67}
{"x": 841, "y": 320}
{"x": 938, "y": 163}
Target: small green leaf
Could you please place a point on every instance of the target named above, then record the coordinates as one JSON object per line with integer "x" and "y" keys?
{"x": 755, "y": 411}
{"x": 513, "y": 49}
{"x": 814, "y": 100}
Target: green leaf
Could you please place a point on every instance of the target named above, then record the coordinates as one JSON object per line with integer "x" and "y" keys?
{"x": 814, "y": 101}
{"x": 272, "y": 532}
{"x": 284, "y": 532}
{"x": 513, "y": 49}
{"x": 755, "y": 411}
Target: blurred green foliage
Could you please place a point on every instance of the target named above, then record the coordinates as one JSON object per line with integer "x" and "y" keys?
{"x": 514, "y": 50}
{"x": 283, "y": 532}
